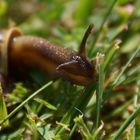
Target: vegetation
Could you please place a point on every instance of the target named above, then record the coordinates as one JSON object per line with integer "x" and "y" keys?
{"x": 58, "y": 110}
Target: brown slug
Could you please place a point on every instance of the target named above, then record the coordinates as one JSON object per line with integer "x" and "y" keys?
{"x": 20, "y": 53}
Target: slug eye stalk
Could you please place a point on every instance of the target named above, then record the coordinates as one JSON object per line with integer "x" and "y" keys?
{"x": 82, "y": 50}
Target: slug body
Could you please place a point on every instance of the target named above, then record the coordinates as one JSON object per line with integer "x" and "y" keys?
{"x": 27, "y": 52}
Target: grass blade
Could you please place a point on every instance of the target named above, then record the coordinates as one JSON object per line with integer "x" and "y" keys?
{"x": 80, "y": 105}
{"x": 100, "y": 89}
{"x": 134, "y": 128}
{"x": 45, "y": 103}
{"x": 25, "y": 101}
{"x": 125, "y": 67}
{"x": 3, "y": 109}
{"x": 126, "y": 123}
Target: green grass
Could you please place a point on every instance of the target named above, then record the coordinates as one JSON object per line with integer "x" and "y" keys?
{"x": 108, "y": 109}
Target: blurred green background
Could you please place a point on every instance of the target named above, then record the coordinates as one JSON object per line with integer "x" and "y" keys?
{"x": 51, "y": 115}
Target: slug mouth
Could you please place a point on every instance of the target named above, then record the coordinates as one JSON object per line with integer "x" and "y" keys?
{"x": 81, "y": 80}
{"x": 78, "y": 79}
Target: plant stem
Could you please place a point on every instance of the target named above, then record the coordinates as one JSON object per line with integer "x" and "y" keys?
{"x": 99, "y": 94}
{"x": 135, "y": 105}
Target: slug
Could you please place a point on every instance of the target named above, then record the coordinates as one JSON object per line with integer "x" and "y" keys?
{"x": 21, "y": 53}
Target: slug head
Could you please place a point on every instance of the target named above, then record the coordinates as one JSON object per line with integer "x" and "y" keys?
{"x": 79, "y": 70}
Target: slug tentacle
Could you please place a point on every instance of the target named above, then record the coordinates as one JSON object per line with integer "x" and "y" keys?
{"x": 82, "y": 49}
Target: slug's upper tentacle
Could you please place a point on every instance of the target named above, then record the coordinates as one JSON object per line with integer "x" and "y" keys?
{"x": 82, "y": 49}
